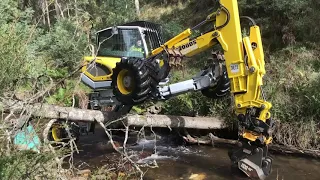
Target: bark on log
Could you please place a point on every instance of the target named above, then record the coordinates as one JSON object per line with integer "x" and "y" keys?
{"x": 85, "y": 115}
{"x": 176, "y": 121}
{"x": 57, "y": 112}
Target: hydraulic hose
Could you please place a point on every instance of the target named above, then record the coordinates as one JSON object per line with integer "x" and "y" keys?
{"x": 228, "y": 17}
{"x": 250, "y": 19}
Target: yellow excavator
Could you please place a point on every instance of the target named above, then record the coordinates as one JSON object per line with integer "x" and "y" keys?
{"x": 133, "y": 66}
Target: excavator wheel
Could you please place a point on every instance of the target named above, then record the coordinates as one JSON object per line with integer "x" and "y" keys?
{"x": 59, "y": 131}
{"x": 132, "y": 80}
{"x": 221, "y": 89}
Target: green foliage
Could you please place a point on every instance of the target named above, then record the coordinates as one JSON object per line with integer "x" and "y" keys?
{"x": 16, "y": 34}
{"x": 109, "y": 13}
{"x": 57, "y": 73}
{"x": 9, "y": 13}
{"x": 64, "y": 46}
{"x": 292, "y": 84}
{"x": 195, "y": 104}
{"x": 25, "y": 164}
{"x": 59, "y": 97}
{"x": 284, "y": 22}
{"x": 63, "y": 96}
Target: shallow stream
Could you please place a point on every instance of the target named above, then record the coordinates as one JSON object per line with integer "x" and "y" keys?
{"x": 188, "y": 162}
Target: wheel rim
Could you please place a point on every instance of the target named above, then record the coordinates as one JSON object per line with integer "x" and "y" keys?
{"x": 125, "y": 82}
{"x": 56, "y": 133}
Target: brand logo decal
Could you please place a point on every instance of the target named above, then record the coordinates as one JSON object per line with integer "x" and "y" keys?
{"x": 246, "y": 167}
{"x": 188, "y": 45}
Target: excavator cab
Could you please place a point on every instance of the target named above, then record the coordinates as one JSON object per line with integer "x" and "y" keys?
{"x": 130, "y": 40}
{"x": 135, "y": 39}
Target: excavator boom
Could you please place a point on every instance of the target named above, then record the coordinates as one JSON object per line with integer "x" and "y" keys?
{"x": 243, "y": 59}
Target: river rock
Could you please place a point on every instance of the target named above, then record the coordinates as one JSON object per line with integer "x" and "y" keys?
{"x": 197, "y": 176}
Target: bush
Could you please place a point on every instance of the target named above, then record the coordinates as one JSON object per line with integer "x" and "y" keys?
{"x": 24, "y": 165}
{"x": 63, "y": 47}
{"x": 16, "y": 33}
{"x": 291, "y": 84}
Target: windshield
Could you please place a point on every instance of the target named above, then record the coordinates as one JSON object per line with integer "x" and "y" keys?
{"x": 152, "y": 40}
{"x": 127, "y": 43}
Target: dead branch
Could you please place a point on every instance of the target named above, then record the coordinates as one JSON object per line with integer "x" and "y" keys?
{"x": 273, "y": 147}
{"x": 295, "y": 151}
{"x": 122, "y": 153}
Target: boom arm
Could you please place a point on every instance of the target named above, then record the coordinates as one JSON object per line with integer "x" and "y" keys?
{"x": 244, "y": 60}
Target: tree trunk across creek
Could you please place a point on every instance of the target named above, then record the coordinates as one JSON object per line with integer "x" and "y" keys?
{"x": 165, "y": 121}
{"x": 86, "y": 115}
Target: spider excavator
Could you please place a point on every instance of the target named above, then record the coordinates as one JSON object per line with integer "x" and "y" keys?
{"x": 126, "y": 78}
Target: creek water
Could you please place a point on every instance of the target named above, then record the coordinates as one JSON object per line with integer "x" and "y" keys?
{"x": 176, "y": 161}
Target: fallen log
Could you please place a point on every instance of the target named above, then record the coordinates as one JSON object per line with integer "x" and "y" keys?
{"x": 86, "y": 115}
{"x": 214, "y": 140}
{"x": 57, "y": 112}
{"x": 175, "y": 121}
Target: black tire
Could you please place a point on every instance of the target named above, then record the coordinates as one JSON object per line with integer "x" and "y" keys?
{"x": 143, "y": 78}
{"x": 221, "y": 89}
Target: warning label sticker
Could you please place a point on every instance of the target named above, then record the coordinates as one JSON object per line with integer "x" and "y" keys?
{"x": 234, "y": 68}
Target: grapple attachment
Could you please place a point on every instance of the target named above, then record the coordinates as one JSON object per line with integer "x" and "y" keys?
{"x": 252, "y": 160}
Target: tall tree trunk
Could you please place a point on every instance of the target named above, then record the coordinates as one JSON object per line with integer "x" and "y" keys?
{"x": 23, "y": 4}
{"x": 43, "y": 9}
{"x": 76, "y": 9}
{"x": 48, "y": 15}
{"x": 136, "y": 2}
{"x": 58, "y": 9}
{"x": 68, "y": 10}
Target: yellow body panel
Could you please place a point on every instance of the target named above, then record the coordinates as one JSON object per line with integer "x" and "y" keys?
{"x": 202, "y": 43}
{"x": 172, "y": 42}
{"x": 252, "y": 137}
{"x": 109, "y": 62}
